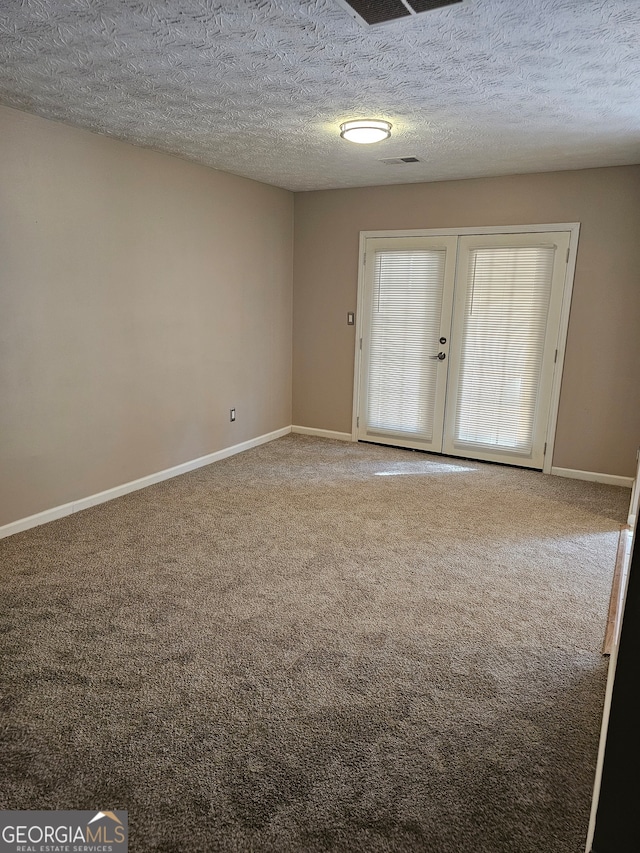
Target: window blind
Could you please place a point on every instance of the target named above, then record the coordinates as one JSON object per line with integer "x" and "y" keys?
{"x": 404, "y": 330}
{"x": 507, "y": 302}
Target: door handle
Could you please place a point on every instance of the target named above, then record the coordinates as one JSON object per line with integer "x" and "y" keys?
{"x": 441, "y": 356}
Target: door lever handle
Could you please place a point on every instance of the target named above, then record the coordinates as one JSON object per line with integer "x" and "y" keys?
{"x": 441, "y": 356}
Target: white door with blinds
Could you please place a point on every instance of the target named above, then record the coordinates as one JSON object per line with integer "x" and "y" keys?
{"x": 459, "y": 342}
{"x": 407, "y": 307}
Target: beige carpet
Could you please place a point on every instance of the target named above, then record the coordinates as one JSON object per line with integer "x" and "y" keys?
{"x": 316, "y": 646}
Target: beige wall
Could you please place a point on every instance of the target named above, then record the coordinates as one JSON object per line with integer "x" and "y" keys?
{"x": 599, "y": 416}
{"x": 141, "y": 297}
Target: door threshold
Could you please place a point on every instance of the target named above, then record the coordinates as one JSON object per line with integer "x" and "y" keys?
{"x": 440, "y": 454}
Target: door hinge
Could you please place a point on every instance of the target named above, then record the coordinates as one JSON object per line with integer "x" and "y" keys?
{"x": 568, "y": 253}
{"x": 555, "y": 358}
{"x": 364, "y": 260}
{"x": 358, "y": 421}
{"x": 544, "y": 452}
{"x": 360, "y": 344}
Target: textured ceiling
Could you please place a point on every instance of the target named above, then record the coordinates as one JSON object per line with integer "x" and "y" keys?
{"x": 259, "y": 87}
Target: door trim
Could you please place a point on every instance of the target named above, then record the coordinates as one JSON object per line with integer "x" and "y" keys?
{"x": 572, "y": 227}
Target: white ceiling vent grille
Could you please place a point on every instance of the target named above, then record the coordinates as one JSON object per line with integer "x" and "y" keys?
{"x": 372, "y": 13}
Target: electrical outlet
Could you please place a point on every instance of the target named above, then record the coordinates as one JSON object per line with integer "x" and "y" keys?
{"x": 232, "y": 415}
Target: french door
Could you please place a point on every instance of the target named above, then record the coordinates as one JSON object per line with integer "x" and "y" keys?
{"x": 459, "y": 338}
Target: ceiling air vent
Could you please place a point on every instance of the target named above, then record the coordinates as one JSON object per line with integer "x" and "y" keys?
{"x": 398, "y": 161}
{"x": 371, "y": 13}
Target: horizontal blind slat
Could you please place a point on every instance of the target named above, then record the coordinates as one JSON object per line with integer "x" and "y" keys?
{"x": 507, "y": 303}
{"x": 404, "y": 324}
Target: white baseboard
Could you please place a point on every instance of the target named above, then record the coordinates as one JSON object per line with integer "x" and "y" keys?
{"x": 117, "y": 492}
{"x": 322, "y": 433}
{"x": 593, "y": 477}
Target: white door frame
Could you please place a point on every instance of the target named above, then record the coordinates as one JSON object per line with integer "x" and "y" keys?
{"x": 572, "y": 227}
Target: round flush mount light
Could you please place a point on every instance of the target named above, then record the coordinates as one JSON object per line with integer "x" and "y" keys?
{"x": 365, "y": 131}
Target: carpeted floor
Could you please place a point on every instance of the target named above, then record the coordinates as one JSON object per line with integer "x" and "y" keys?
{"x": 316, "y": 646}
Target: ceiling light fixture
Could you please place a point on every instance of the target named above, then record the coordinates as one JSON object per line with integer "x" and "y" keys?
{"x": 365, "y": 131}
